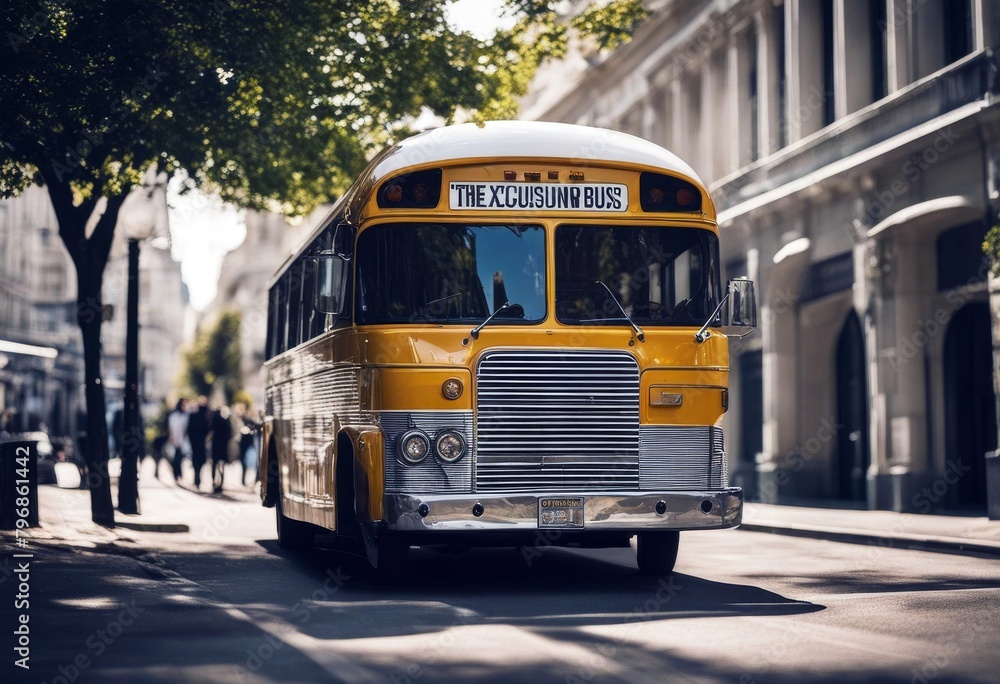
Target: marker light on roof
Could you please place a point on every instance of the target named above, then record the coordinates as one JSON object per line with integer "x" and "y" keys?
{"x": 394, "y": 193}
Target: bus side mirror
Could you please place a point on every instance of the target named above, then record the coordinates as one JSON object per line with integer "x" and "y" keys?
{"x": 331, "y": 283}
{"x": 741, "y": 312}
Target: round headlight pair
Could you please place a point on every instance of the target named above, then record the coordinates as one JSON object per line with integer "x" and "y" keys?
{"x": 414, "y": 445}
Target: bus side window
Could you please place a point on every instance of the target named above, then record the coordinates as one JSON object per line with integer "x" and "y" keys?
{"x": 307, "y": 312}
{"x": 294, "y": 284}
{"x": 272, "y": 322}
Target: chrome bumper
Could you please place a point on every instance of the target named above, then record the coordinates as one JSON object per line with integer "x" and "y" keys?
{"x": 696, "y": 510}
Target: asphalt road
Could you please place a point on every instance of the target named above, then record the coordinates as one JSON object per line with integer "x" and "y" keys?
{"x": 221, "y": 602}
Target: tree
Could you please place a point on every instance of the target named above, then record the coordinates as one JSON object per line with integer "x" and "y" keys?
{"x": 271, "y": 104}
{"x": 214, "y": 359}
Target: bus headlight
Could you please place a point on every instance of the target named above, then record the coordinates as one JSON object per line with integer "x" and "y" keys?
{"x": 450, "y": 446}
{"x": 413, "y": 446}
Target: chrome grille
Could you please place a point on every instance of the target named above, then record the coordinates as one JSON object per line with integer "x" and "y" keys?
{"x": 557, "y": 421}
{"x": 682, "y": 457}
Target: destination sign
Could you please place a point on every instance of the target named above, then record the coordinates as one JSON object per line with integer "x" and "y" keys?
{"x": 480, "y": 196}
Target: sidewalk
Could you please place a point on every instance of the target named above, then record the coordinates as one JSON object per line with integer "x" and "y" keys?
{"x": 166, "y": 507}
{"x": 941, "y": 533}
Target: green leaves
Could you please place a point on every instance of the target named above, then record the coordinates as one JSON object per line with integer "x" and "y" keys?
{"x": 611, "y": 24}
{"x": 268, "y": 103}
{"x": 214, "y": 359}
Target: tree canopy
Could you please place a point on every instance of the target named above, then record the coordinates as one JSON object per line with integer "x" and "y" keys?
{"x": 269, "y": 104}
{"x": 213, "y": 362}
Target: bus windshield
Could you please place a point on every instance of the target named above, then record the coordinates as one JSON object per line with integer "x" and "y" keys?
{"x": 450, "y": 273}
{"x": 659, "y": 276}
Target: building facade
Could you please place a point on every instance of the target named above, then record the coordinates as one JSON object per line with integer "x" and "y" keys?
{"x": 41, "y": 354}
{"x": 163, "y": 304}
{"x": 243, "y": 280}
{"x": 853, "y": 151}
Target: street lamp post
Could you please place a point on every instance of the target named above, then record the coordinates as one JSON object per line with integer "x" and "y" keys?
{"x": 139, "y": 224}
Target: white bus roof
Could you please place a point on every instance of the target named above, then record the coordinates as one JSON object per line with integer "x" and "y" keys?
{"x": 573, "y": 143}
{"x": 528, "y": 139}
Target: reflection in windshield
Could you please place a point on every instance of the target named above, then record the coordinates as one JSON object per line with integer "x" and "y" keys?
{"x": 659, "y": 276}
{"x": 433, "y": 272}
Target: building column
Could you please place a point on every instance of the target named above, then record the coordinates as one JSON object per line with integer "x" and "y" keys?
{"x": 733, "y": 94}
{"x": 985, "y": 24}
{"x": 897, "y": 359}
{"x": 899, "y": 24}
{"x": 780, "y": 336}
{"x": 840, "y": 76}
{"x": 767, "y": 83}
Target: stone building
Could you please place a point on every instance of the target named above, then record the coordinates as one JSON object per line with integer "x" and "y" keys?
{"x": 853, "y": 150}
{"x": 163, "y": 307}
{"x": 243, "y": 280}
{"x": 41, "y": 354}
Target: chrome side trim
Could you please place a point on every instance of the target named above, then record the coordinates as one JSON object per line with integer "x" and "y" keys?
{"x": 682, "y": 457}
{"x": 602, "y": 511}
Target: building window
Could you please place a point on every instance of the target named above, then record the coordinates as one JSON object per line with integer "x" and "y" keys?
{"x": 878, "y": 28}
{"x": 960, "y": 258}
{"x": 957, "y": 29}
{"x": 753, "y": 105}
{"x": 828, "y": 277}
{"x": 778, "y": 24}
{"x": 826, "y": 28}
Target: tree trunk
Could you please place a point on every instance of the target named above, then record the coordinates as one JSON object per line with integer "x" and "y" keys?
{"x": 90, "y": 256}
{"x": 89, "y": 315}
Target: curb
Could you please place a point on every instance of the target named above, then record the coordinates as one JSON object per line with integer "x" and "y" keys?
{"x": 900, "y": 541}
{"x": 169, "y": 528}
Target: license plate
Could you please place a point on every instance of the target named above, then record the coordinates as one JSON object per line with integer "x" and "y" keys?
{"x": 560, "y": 512}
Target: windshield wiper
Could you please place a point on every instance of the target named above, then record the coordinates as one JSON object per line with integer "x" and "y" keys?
{"x": 475, "y": 331}
{"x": 640, "y": 335}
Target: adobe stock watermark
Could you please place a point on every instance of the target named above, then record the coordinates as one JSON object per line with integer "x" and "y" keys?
{"x": 910, "y": 173}
{"x": 97, "y": 643}
{"x": 776, "y": 651}
{"x": 590, "y": 668}
{"x": 801, "y": 456}
{"x": 923, "y": 502}
{"x": 76, "y": 155}
{"x": 444, "y": 643}
{"x": 303, "y": 610}
{"x": 912, "y": 345}
{"x": 30, "y": 25}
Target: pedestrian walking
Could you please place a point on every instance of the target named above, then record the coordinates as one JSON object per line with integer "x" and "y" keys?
{"x": 222, "y": 433}
{"x": 248, "y": 454}
{"x": 198, "y": 428}
{"x": 177, "y": 436}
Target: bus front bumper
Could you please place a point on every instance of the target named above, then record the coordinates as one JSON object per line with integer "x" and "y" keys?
{"x": 605, "y": 511}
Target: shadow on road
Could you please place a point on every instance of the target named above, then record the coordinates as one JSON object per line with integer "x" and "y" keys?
{"x": 562, "y": 588}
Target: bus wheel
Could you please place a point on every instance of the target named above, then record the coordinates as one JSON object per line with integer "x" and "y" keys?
{"x": 657, "y": 552}
{"x": 392, "y": 555}
{"x": 293, "y": 535}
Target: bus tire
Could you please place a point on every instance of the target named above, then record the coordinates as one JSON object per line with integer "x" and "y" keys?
{"x": 293, "y": 535}
{"x": 656, "y": 552}
{"x": 392, "y": 556}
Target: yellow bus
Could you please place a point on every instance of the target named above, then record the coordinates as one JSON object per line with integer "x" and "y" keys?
{"x": 505, "y": 333}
